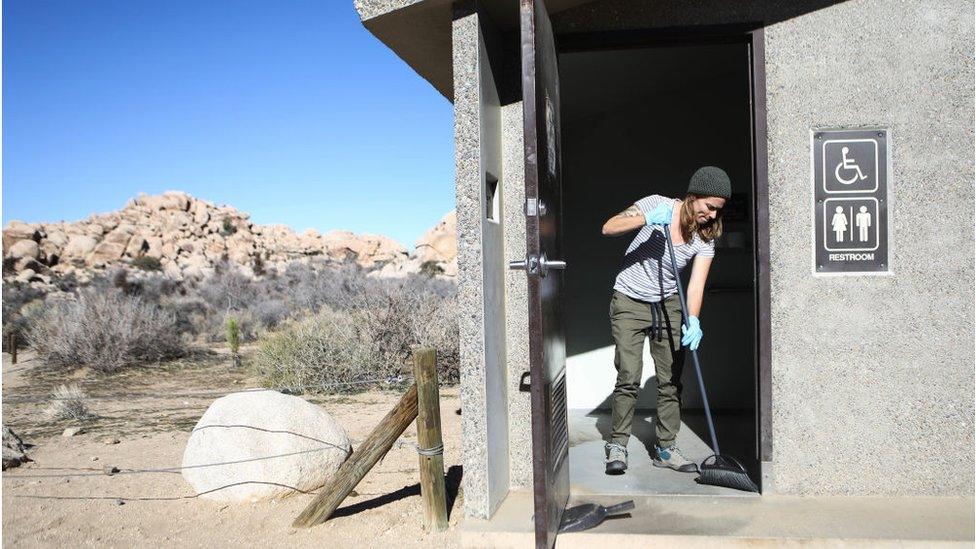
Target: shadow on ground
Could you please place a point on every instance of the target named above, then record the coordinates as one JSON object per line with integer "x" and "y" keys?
{"x": 452, "y": 485}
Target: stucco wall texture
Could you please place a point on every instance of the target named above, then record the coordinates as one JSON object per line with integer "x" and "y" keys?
{"x": 516, "y": 301}
{"x": 467, "y": 142}
{"x": 872, "y": 377}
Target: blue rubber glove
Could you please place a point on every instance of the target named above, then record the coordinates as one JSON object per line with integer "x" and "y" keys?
{"x": 660, "y": 215}
{"x": 692, "y": 333}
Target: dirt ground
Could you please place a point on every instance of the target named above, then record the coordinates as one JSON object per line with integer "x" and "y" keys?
{"x": 64, "y": 498}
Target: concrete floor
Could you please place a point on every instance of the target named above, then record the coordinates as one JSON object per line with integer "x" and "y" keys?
{"x": 768, "y": 521}
{"x": 672, "y": 510}
{"x": 587, "y": 433}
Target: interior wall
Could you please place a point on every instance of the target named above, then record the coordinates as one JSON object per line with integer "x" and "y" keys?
{"x": 638, "y": 122}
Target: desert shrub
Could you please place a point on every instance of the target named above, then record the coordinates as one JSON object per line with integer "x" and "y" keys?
{"x": 311, "y": 286}
{"x": 227, "y": 227}
{"x": 16, "y": 295}
{"x": 68, "y": 402}
{"x": 210, "y": 327}
{"x": 317, "y": 352}
{"x": 120, "y": 279}
{"x": 228, "y": 290}
{"x": 20, "y": 302}
{"x": 431, "y": 269}
{"x": 190, "y": 314}
{"x": 269, "y": 313}
{"x": 200, "y": 321}
{"x": 401, "y": 314}
{"x": 232, "y": 330}
{"x": 257, "y": 266}
{"x": 372, "y": 337}
{"x": 66, "y": 283}
{"x": 155, "y": 287}
{"x": 147, "y": 263}
{"x": 151, "y": 286}
{"x": 9, "y": 266}
{"x": 106, "y": 330}
{"x": 17, "y": 325}
{"x": 386, "y": 321}
{"x": 143, "y": 310}
{"x": 435, "y": 325}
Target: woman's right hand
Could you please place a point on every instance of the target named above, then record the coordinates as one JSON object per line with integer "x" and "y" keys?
{"x": 660, "y": 215}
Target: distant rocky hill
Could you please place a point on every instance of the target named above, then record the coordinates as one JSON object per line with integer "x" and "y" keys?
{"x": 187, "y": 237}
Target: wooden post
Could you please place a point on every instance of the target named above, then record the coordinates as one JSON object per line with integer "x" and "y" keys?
{"x": 13, "y": 348}
{"x": 376, "y": 445}
{"x": 430, "y": 444}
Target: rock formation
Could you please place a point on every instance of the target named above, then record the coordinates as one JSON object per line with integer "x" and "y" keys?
{"x": 14, "y": 449}
{"x": 188, "y": 237}
{"x": 439, "y": 244}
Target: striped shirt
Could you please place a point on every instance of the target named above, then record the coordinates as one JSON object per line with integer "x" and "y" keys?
{"x": 642, "y": 275}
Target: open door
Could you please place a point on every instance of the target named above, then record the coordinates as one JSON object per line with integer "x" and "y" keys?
{"x": 543, "y": 210}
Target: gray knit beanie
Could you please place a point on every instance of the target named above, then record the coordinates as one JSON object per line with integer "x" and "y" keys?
{"x": 710, "y": 181}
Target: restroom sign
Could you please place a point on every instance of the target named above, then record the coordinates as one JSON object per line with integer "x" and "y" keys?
{"x": 850, "y": 190}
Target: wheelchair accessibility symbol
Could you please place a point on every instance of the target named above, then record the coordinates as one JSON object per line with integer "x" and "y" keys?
{"x": 850, "y": 166}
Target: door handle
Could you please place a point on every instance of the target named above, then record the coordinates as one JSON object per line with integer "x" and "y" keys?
{"x": 536, "y": 265}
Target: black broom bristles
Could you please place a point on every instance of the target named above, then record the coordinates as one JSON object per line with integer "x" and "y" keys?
{"x": 725, "y": 471}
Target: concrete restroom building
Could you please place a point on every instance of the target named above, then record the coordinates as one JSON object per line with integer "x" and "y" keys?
{"x": 824, "y": 380}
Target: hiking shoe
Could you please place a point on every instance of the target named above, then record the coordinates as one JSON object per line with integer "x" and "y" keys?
{"x": 616, "y": 458}
{"x": 672, "y": 458}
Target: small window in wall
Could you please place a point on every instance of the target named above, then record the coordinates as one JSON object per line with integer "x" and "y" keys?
{"x": 492, "y": 198}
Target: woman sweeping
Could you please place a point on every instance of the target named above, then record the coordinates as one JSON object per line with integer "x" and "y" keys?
{"x": 645, "y": 305}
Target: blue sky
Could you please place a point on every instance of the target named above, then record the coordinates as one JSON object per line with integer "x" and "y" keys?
{"x": 289, "y": 110}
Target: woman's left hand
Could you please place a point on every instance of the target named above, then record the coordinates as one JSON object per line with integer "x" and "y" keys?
{"x": 692, "y": 335}
{"x": 661, "y": 215}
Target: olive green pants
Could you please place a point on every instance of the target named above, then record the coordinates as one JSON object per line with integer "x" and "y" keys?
{"x": 631, "y": 321}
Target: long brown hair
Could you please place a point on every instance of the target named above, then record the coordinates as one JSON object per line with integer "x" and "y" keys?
{"x": 708, "y": 231}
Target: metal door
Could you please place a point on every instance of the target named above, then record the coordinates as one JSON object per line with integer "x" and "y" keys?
{"x": 543, "y": 193}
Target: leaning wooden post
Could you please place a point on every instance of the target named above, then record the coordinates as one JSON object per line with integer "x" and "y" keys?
{"x": 13, "y": 348}
{"x": 430, "y": 445}
{"x": 376, "y": 445}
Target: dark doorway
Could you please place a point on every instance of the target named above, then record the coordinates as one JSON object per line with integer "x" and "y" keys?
{"x": 638, "y": 121}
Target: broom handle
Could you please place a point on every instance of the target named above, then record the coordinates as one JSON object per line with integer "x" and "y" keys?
{"x": 694, "y": 353}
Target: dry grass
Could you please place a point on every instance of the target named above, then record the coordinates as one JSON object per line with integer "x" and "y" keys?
{"x": 351, "y": 326}
{"x": 68, "y": 404}
{"x": 316, "y": 352}
{"x": 371, "y": 339}
{"x": 106, "y": 330}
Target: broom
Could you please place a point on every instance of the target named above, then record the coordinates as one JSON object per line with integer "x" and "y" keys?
{"x": 721, "y": 470}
